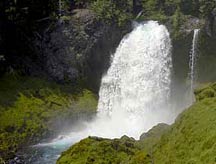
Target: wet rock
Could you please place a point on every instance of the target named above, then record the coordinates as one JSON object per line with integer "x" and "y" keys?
{"x": 191, "y": 23}
{"x": 210, "y": 27}
{"x": 187, "y": 26}
{"x": 78, "y": 47}
{"x": 126, "y": 138}
{"x": 17, "y": 160}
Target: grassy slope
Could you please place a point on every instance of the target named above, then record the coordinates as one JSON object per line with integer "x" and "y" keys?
{"x": 191, "y": 139}
{"x": 28, "y": 106}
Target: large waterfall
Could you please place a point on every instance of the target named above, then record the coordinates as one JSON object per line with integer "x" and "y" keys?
{"x": 135, "y": 92}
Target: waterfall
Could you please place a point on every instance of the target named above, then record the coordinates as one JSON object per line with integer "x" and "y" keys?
{"x": 136, "y": 89}
{"x": 135, "y": 92}
{"x": 193, "y": 58}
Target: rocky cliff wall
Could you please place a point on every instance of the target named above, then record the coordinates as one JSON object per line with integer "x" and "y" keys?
{"x": 78, "y": 47}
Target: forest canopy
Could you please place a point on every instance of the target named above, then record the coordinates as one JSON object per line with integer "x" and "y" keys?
{"x": 19, "y": 10}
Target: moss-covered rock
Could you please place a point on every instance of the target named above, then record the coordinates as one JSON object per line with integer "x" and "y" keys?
{"x": 117, "y": 151}
{"x": 97, "y": 150}
{"x": 206, "y": 91}
{"x": 149, "y": 140}
{"x": 29, "y": 108}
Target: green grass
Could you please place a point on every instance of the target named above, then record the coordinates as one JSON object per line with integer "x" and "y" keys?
{"x": 29, "y": 106}
{"x": 192, "y": 139}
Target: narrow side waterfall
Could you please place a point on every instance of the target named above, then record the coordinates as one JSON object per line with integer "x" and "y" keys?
{"x": 193, "y": 59}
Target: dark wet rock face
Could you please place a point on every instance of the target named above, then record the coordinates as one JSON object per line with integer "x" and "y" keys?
{"x": 214, "y": 22}
{"x": 191, "y": 23}
{"x": 17, "y": 160}
{"x": 211, "y": 24}
{"x": 79, "y": 47}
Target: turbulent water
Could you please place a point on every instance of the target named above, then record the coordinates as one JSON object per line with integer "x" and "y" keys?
{"x": 135, "y": 92}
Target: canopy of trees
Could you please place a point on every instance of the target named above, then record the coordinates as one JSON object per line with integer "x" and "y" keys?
{"x": 19, "y": 10}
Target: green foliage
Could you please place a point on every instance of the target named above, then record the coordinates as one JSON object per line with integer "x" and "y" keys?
{"x": 16, "y": 10}
{"x": 207, "y": 91}
{"x": 150, "y": 139}
{"x": 112, "y": 11}
{"x": 190, "y": 7}
{"x": 197, "y": 8}
{"x": 106, "y": 10}
{"x": 87, "y": 100}
{"x": 28, "y": 106}
{"x": 177, "y": 11}
{"x": 140, "y": 157}
{"x": 177, "y": 20}
{"x": 151, "y": 6}
{"x": 168, "y": 7}
{"x": 12, "y": 85}
{"x": 206, "y": 6}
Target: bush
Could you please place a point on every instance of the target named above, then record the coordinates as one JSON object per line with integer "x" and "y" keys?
{"x": 112, "y": 12}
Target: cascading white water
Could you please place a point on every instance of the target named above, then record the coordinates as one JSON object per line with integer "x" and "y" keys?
{"x": 136, "y": 87}
{"x": 135, "y": 93}
{"x": 193, "y": 58}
